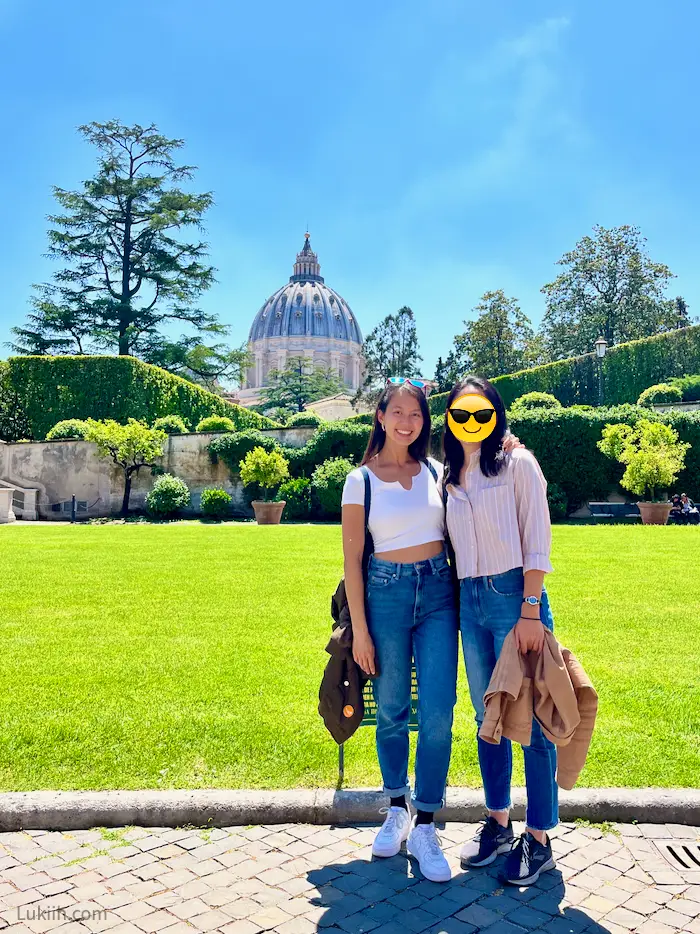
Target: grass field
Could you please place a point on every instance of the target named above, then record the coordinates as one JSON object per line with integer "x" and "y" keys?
{"x": 189, "y": 656}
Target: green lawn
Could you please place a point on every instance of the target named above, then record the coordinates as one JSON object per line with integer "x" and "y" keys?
{"x": 189, "y": 656}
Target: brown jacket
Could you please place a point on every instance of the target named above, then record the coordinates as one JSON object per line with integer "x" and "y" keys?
{"x": 550, "y": 687}
{"x": 340, "y": 696}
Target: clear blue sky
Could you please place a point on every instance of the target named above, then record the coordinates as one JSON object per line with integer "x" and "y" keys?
{"x": 435, "y": 150}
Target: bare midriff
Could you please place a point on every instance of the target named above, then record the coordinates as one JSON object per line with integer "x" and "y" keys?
{"x": 413, "y": 554}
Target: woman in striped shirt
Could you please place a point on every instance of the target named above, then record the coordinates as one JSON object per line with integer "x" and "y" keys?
{"x": 498, "y": 522}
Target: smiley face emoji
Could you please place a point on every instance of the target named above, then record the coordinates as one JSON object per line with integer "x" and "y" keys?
{"x": 471, "y": 417}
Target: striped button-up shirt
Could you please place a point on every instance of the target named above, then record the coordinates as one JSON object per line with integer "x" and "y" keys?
{"x": 502, "y": 522}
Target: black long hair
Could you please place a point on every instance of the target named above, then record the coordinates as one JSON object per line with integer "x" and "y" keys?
{"x": 418, "y": 449}
{"x": 491, "y": 456}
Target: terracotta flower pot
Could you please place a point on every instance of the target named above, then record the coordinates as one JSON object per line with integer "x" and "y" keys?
{"x": 268, "y": 513}
{"x": 654, "y": 513}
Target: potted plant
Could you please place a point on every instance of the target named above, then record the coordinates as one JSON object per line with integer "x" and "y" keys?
{"x": 267, "y": 469}
{"x": 653, "y": 457}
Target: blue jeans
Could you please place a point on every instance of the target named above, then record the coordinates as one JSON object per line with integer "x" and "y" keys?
{"x": 489, "y": 608}
{"x": 411, "y": 612}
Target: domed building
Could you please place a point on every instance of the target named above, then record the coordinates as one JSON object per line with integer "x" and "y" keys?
{"x": 304, "y": 318}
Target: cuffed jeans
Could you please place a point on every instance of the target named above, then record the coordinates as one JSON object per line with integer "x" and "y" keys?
{"x": 411, "y": 612}
{"x": 489, "y": 608}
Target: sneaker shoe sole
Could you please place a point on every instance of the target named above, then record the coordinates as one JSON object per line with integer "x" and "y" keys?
{"x": 431, "y": 876}
{"x": 529, "y": 880}
{"x": 476, "y": 863}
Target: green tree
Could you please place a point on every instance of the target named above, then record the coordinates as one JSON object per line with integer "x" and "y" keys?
{"x": 680, "y": 310}
{"x": 127, "y": 271}
{"x": 289, "y": 390}
{"x": 456, "y": 364}
{"x": 267, "y": 469}
{"x": 498, "y": 341}
{"x": 208, "y": 366}
{"x": 609, "y": 287}
{"x": 130, "y": 447}
{"x": 391, "y": 349}
{"x": 652, "y": 453}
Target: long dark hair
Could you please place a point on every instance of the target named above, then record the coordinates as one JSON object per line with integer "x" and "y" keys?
{"x": 418, "y": 449}
{"x": 491, "y": 456}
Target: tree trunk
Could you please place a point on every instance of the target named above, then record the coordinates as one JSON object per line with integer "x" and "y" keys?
{"x": 125, "y": 304}
{"x": 127, "y": 494}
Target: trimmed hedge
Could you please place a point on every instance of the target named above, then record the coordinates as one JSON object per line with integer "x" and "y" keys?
{"x": 628, "y": 369}
{"x": 565, "y": 443}
{"x": 36, "y": 392}
{"x": 305, "y": 419}
{"x": 689, "y": 387}
{"x": 660, "y": 393}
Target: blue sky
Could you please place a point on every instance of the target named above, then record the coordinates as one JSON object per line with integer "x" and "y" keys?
{"x": 435, "y": 150}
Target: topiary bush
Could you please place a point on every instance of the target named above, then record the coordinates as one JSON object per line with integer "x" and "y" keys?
{"x": 68, "y": 428}
{"x": 215, "y": 423}
{"x": 327, "y": 483}
{"x": 216, "y": 503}
{"x": 171, "y": 425}
{"x": 265, "y": 469}
{"x": 536, "y": 400}
{"x": 169, "y": 495}
{"x": 364, "y": 418}
{"x": 556, "y": 499}
{"x": 305, "y": 419}
{"x": 661, "y": 392}
{"x": 297, "y": 495}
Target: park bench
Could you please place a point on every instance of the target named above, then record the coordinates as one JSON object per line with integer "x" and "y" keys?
{"x": 370, "y": 716}
{"x": 614, "y": 510}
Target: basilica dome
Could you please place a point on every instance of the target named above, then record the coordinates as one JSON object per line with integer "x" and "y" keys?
{"x": 305, "y": 318}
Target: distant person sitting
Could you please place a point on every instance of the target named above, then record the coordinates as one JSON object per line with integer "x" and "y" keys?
{"x": 689, "y": 509}
{"x": 676, "y": 514}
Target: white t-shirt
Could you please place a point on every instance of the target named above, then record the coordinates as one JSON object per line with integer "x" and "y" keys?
{"x": 400, "y": 518}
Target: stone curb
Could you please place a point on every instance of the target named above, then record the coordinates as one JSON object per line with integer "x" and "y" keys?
{"x": 82, "y": 810}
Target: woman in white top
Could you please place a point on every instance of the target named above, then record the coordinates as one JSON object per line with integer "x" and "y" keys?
{"x": 406, "y": 609}
{"x": 498, "y": 522}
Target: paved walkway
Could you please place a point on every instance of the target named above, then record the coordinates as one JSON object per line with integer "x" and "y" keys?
{"x": 296, "y": 879}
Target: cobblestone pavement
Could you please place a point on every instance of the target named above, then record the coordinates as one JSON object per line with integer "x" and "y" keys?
{"x": 296, "y": 879}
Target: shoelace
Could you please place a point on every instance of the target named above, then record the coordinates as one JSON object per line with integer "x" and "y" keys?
{"x": 523, "y": 844}
{"x": 432, "y": 840}
{"x": 390, "y": 820}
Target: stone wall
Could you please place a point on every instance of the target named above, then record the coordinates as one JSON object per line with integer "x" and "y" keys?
{"x": 61, "y": 469}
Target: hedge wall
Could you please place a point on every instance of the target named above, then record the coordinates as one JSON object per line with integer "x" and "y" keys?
{"x": 628, "y": 369}
{"x": 36, "y": 392}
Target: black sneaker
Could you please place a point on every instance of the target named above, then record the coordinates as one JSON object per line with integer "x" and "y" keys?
{"x": 489, "y": 840}
{"x": 527, "y": 860}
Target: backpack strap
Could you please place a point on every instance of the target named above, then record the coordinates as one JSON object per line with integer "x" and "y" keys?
{"x": 431, "y": 469}
{"x": 368, "y": 495}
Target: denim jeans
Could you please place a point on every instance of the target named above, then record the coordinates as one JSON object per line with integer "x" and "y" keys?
{"x": 489, "y": 608}
{"x": 411, "y": 611}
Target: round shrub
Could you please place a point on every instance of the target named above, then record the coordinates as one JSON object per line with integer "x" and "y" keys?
{"x": 265, "y": 469}
{"x": 216, "y": 423}
{"x": 364, "y": 418}
{"x": 216, "y": 503}
{"x": 168, "y": 496}
{"x": 661, "y": 392}
{"x": 327, "y": 483}
{"x": 335, "y": 439}
{"x": 233, "y": 447}
{"x": 305, "y": 419}
{"x": 536, "y": 400}
{"x": 556, "y": 498}
{"x": 68, "y": 428}
{"x": 297, "y": 496}
{"x": 171, "y": 425}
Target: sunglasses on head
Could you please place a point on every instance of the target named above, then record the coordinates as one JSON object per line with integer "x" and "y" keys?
{"x": 461, "y": 416}
{"x": 414, "y": 381}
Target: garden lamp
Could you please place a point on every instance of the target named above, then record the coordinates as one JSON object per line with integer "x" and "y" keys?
{"x": 601, "y": 345}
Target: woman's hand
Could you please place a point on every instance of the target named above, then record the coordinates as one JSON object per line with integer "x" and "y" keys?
{"x": 363, "y": 650}
{"x": 529, "y": 635}
{"x": 511, "y": 442}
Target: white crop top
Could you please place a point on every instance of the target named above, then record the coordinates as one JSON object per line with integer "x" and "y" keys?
{"x": 400, "y": 518}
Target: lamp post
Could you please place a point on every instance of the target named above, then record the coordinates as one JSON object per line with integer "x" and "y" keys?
{"x": 601, "y": 345}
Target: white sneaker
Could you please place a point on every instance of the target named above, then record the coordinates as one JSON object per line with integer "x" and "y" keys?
{"x": 424, "y": 843}
{"x": 392, "y": 833}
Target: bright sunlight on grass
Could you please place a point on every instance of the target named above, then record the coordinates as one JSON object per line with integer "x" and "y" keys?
{"x": 188, "y": 656}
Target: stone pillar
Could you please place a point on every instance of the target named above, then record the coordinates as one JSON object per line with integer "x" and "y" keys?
{"x": 258, "y": 369}
{"x": 6, "y": 512}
